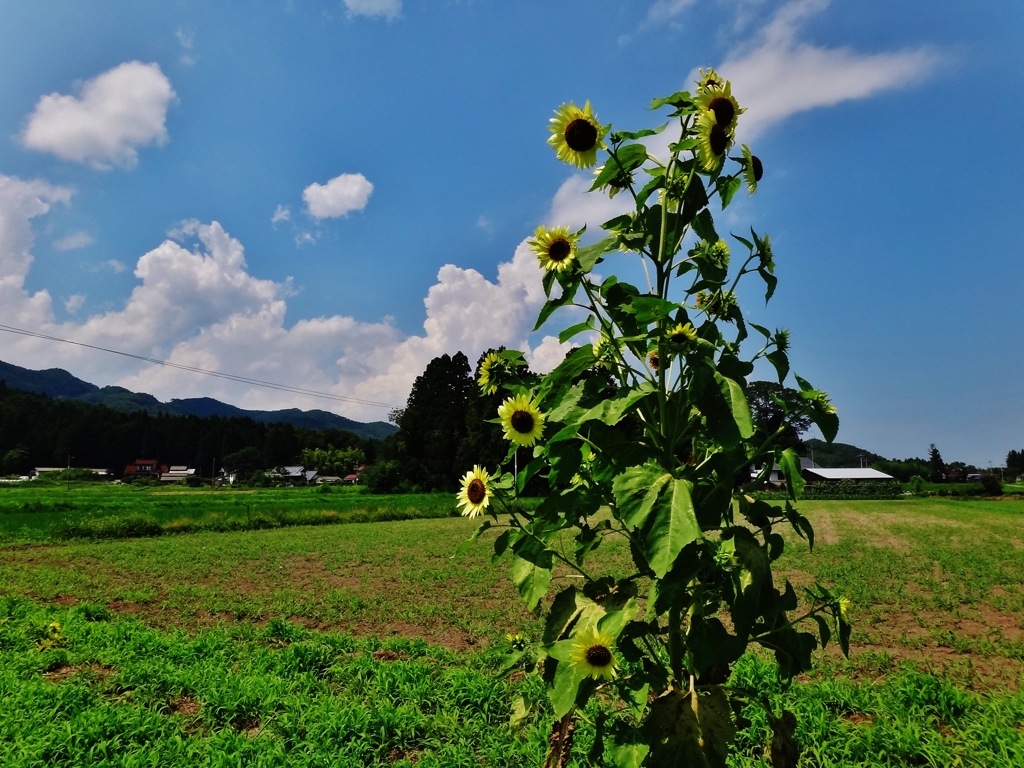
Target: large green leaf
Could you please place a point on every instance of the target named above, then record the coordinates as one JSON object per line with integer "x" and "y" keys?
{"x": 572, "y": 330}
{"x": 612, "y": 411}
{"x": 532, "y": 577}
{"x": 736, "y": 401}
{"x": 636, "y": 491}
{"x": 671, "y": 526}
{"x": 622, "y": 160}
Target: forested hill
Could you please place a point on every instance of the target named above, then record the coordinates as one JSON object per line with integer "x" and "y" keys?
{"x": 38, "y": 430}
{"x": 835, "y": 455}
{"x": 58, "y": 383}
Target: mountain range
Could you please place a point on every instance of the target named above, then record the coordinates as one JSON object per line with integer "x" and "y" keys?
{"x": 58, "y": 383}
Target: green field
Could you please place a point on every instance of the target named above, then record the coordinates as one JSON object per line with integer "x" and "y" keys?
{"x": 367, "y": 644}
{"x": 46, "y": 511}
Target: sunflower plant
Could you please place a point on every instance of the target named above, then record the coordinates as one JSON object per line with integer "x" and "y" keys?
{"x": 643, "y": 434}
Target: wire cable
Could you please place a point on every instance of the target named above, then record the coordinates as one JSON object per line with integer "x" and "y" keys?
{"x": 217, "y": 374}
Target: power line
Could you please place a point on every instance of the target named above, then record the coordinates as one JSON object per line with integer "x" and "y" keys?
{"x": 217, "y": 374}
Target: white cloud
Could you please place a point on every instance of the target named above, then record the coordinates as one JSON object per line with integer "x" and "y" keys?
{"x": 775, "y": 75}
{"x": 663, "y": 10}
{"x": 389, "y": 9}
{"x": 338, "y": 197}
{"x": 73, "y": 241}
{"x": 304, "y": 238}
{"x": 74, "y": 303}
{"x": 115, "y": 113}
{"x": 195, "y": 303}
{"x": 187, "y": 40}
{"x": 573, "y": 206}
{"x": 281, "y": 213}
{"x": 117, "y": 266}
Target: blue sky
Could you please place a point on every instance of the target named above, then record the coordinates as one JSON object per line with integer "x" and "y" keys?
{"x": 328, "y": 194}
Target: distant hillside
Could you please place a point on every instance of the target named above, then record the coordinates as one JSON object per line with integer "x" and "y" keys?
{"x": 56, "y": 382}
{"x": 839, "y": 455}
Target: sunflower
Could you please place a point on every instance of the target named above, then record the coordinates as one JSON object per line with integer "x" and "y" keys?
{"x": 485, "y": 377}
{"x": 753, "y": 170}
{"x": 592, "y": 654}
{"x": 654, "y": 360}
{"x": 555, "y": 248}
{"x": 718, "y": 253}
{"x": 682, "y": 334}
{"x": 714, "y": 141}
{"x": 577, "y": 135}
{"x": 522, "y": 420}
{"x": 709, "y": 81}
{"x": 844, "y": 608}
{"x": 476, "y": 493}
{"x": 722, "y": 104}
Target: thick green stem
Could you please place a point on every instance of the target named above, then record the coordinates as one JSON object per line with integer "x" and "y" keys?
{"x": 675, "y": 643}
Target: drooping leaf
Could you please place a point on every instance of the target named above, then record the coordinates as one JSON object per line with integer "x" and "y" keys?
{"x": 789, "y": 462}
{"x": 704, "y": 226}
{"x": 532, "y": 577}
{"x": 636, "y": 490}
{"x": 589, "y": 255}
{"x": 476, "y": 535}
{"x": 729, "y": 189}
{"x": 733, "y": 395}
{"x": 572, "y": 330}
{"x": 670, "y": 527}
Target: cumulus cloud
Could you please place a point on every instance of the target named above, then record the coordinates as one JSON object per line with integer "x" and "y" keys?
{"x": 196, "y": 303}
{"x": 73, "y": 241}
{"x": 113, "y": 115}
{"x": 775, "y": 75}
{"x": 389, "y": 9}
{"x": 573, "y": 206}
{"x": 338, "y": 197}
{"x": 74, "y": 303}
{"x": 281, "y": 213}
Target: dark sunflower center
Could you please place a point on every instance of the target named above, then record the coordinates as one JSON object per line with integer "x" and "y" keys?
{"x": 476, "y": 491}
{"x": 522, "y": 422}
{"x": 559, "y": 250}
{"x": 654, "y": 360}
{"x": 599, "y": 656}
{"x": 719, "y": 139}
{"x": 723, "y": 109}
{"x": 755, "y": 163}
{"x": 580, "y": 135}
{"x": 678, "y": 338}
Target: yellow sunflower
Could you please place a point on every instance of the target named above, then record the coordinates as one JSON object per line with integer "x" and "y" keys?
{"x": 722, "y": 104}
{"x": 753, "y": 170}
{"x": 709, "y": 81}
{"x": 555, "y": 248}
{"x": 682, "y": 334}
{"x": 522, "y": 420}
{"x": 486, "y": 375}
{"x": 476, "y": 492}
{"x": 714, "y": 141}
{"x": 577, "y": 135}
{"x": 654, "y": 360}
{"x": 844, "y": 608}
{"x": 592, "y": 654}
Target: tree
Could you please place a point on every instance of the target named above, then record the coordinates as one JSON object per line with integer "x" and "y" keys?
{"x": 1015, "y": 462}
{"x": 769, "y": 415}
{"x": 936, "y": 467}
{"x": 433, "y": 423}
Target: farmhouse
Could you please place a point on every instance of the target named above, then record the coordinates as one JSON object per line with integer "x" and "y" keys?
{"x": 294, "y": 474}
{"x": 176, "y": 474}
{"x": 145, "y": 468}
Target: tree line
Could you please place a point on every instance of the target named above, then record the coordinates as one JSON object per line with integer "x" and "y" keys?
{"x": 36, "y": 430}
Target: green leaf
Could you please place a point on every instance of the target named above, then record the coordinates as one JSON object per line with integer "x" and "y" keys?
{"x": 551, "y": 305}
{"x": 564, "y": 687}
{"x": 677, "y": 99}
{"x": 612, "y": 411}
{"x": 589, "y": 256}
{"x": 672, "y": 525}
{"x": 771, "y": 281}
{"x": 575, "y": 363}
{"x": 500, "y": 545}
{"x": 729, "y": 189}
{"x": 790, "y": 464}
{"x": 737, "y": 403}
{"x": 563, "y": 610}
{"x": 633, "y": 135}
{"x": 627, "y": 747}
{"x": 688, "y": 733}
{"x": 520, "y": 713}
{"x": 651, "y": 309}
{"x": 636, "y": 490}
{"x": 780, "y": 360}
{"x": 532, "y": 577}
{"x": 704, "y": 226}
{"x": 622, "y": 160}
{"x": 572, "y": 330}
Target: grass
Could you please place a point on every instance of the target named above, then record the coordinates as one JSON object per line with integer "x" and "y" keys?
{"x": 399, "y": 642}
{"x": 37, "y": 512}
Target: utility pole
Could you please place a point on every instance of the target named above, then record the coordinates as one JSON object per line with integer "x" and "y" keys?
{"x": 68, "y": 473}
{"x": 213, "y": 477}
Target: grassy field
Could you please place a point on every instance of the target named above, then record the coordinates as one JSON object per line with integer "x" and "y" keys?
{"x": 367, "y": 644}
{"x": 45, "y": 511}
